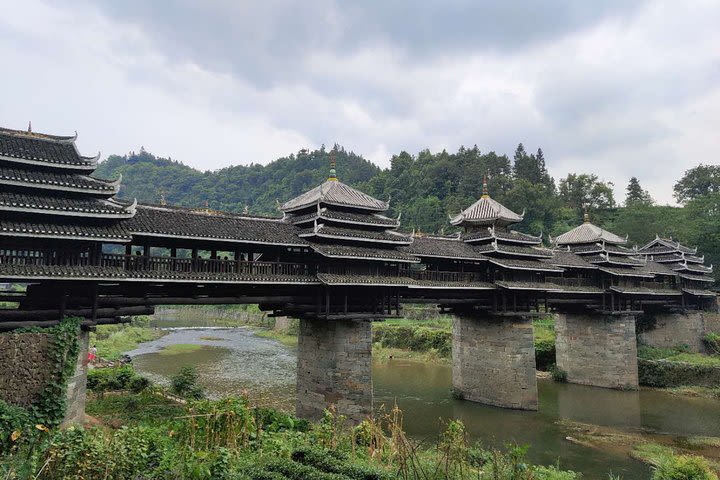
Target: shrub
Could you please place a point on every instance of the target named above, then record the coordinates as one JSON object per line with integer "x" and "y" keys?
{"x": 298, "y": 471}
{"x": 558, "y": 374}
{"x": 711, "y": 340}
{"x": 329, "y": 462}
{"x": 14, "y": 426}
{"x": 120, "y": 378}
{"x": 683, "y": 467}
{"x": 185, "y": 383}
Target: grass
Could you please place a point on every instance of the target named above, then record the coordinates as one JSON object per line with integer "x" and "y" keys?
{"x": 132, "y": 409}
{"x": 114, "y": 340}
{"x": 695, "y": 391}
{"x": 678, "y": 354}
{"x": 178, "y": 348}
{"x": 287, "y": 339}
{"x": 385, "y": 354}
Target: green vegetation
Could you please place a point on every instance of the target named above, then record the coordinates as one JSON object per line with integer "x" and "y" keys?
{"x": 101, "y": 380}
{"x": 426, "y": 187}
{"x": 711, "y": 340}
{"x": 284, "y": 337}
{"x": 177, "y": 348}
{"x": 185, "y": 383}
{"x": 669, "y": 466}
{"x": 114, "y": 340}
{"x": 544, "y": 335}
{"x": 148, "y": 435}
{"x": 677, "y": 354}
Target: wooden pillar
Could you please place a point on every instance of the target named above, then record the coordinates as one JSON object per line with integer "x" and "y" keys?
{"x": 128, "y": 253}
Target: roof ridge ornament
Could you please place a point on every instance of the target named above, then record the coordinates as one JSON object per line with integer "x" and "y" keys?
{"x": 333, "y": 165}
{"x": 586, "y": 214}
{"x": 485, "y": 193}
{"x": 30, "y": 126}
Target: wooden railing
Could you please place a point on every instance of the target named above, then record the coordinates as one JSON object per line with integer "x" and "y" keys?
{"x": 571, "y": 282}
{"x": 155, "y": 264}
{"x": 442, "y": 276}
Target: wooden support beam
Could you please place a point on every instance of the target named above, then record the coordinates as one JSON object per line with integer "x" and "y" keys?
{"x": 30, "y": 315}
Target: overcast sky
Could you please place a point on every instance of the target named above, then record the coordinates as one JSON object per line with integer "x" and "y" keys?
{"x": 617, "y": 88}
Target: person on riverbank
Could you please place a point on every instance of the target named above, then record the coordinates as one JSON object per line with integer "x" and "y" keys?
{"x": 92, "y": 354}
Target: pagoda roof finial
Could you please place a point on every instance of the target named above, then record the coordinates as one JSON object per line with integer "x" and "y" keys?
{"x": 30, "y": 126}
{"x": 485, "y": 193}
{"x": 333, "y": 164}
{"x": 586, "y": 215}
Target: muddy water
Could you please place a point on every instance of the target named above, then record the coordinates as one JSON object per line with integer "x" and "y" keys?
{"x": 233, "y": 360}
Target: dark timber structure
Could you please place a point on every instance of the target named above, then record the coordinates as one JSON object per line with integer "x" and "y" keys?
{"x": 334, "y": 260}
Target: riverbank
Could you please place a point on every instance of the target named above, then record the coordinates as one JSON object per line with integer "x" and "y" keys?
{"x": 150, "y": 434}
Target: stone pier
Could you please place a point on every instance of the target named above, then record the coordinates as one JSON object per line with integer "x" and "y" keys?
{"x": 334, "y": 368}
{"x": 494, "y": 361}
{"x": 669, "y": 330}
{"x": 77, "y": 384}
{"x": 597, "y": 350}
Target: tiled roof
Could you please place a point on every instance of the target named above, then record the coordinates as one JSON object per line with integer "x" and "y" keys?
{"x": 530, "y": 265}
{"x": 625, "y": 272}
{"x": 697, "y": 278}
{"x": 514, "y": 250}
{"x": 699, "y": 292}
{"x": 614, "y": 260}
{"x": 657, "y": 269}
{"x": 498, "y": 233}
{"x": 46, "y": 180}
{"x": 367, "y": 253}
{"x": 59, "y": 152}
{"x": 676, "y": 258}
{"x": 65, "y": 229}
{"x": 587, "y": 233}
{"x": 547, "y": 287}
{"x": 32, "y": 271}
{"x": 334, "y": 279}
{"x": 442, "y": 248}
{"x": 186, "y": 223}
{"x": 334, "y": 192}
{"x": 373, "y": 236}
{"x": 371, "y": 219}
{"x": 563, "y": 258}
{"x": 486, "y": 211}
{"x": 692, "y": 267}
{"x": 646, "y": 291}
{"x": 61, "y": 205}
{"x": 669, "y": 244}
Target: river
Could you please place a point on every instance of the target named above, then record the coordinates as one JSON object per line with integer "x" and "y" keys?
{"x": 230, "y": 361}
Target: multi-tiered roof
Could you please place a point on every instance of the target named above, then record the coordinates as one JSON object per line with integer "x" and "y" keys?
{"x": 695, "y": 276}
{"x": 47, "y": 190}
{"x": 341, "y": 222}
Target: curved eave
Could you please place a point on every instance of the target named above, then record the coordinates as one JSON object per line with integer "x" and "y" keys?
{"x": 451, "y": 257}
{"x": 62, "y": 236}
{"x": 538, "y": 268}
{"x": 62, "y": 188}
{"x": 363, "y": 208}
{"x": 66, "y": 213}
{"x": 84, "y": 167}
{"x": 629, "y": 273}
{"x": 364, "y": 257}
{"x": 343, "y": 221}
{"x": 656, "y": 293}
{"x": 319, "y": 234}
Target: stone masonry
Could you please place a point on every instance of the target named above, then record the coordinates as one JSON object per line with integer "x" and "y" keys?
{"x": 597, "y": 350}
{"x": 334, "y": 368}
{"x": 25, "y": 371}
{"x": 670, "y": 330}
{"x": 77, "y": 384}
{"x": 494, "y": 361}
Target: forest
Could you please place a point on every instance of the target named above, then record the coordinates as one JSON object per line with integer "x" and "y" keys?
{"x": 427, "y": 187}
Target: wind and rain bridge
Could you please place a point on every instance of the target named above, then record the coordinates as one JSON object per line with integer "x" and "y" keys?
{"x": 336, "y": 262}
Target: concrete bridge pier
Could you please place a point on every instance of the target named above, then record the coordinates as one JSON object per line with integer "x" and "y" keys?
{"x": 334, "y": 368}
{"x": 494, "y": 360}
{"x": 597, "y": 350}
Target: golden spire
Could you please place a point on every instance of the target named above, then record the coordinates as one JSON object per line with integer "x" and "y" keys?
{"x": 333, "y": 172}
{"x": 586, "y": 215}
{"x": 163, "y": 200}
{"x": 485, "y": 193}
{"x": 30, "y": 127}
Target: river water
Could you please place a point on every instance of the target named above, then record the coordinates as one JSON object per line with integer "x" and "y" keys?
{"x": 231, "y": 361}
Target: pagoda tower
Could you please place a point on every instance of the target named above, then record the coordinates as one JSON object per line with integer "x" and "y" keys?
{"x": 54, "y": 212}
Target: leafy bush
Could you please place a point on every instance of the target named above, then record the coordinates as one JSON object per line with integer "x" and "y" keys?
{"x": 328, "y": 461}
{"x": 415, "y": 338}
{"x": 118, "y": 378}
{"x": 185, "y": 383}
{"x": 15, "y": 426}
{"x": 683, "y": 467}
{"x": 558, "y": 374}
{"x": 711, "y": 340}
{"x": 664, "y": 374}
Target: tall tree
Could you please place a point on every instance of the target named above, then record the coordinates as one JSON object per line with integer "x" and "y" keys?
{"x": 698, "y": 181}
{"x": 531, "y": 167}
{"x": 636, "y": 195}
{"x": 578, "y": 191}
